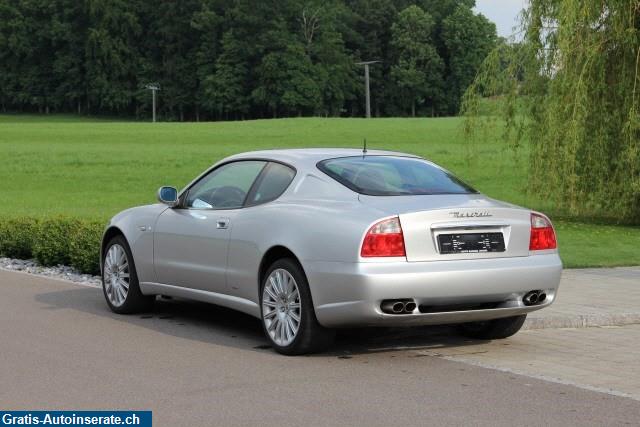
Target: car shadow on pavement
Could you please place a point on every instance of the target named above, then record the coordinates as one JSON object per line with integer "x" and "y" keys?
{"x": 435, "y": 339}
{"x": 217, "y": 325}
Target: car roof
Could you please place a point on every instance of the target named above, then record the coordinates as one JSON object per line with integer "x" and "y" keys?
{"x": 310, "y": 156}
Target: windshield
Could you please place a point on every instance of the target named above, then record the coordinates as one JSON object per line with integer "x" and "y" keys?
{"x": 392, "y": 176}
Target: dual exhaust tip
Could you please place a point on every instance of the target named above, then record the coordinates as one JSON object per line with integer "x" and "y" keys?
{"x": 398, "y": 306}
{"x": 534, "y": 298}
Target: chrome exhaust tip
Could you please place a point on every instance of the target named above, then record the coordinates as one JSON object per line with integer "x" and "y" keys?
{"x": 542, "y": 297}
{"x": 397, "y": 307}
{"x": 531, "y": 298}
{"x": 392, "y": 306}
{"x": 409, "y": 307}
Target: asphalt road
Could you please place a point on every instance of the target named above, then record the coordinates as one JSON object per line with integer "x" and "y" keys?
{"x": 195, "y": 364}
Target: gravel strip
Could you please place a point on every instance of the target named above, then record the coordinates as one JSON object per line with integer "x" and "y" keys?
{"x": 59, "y": 272}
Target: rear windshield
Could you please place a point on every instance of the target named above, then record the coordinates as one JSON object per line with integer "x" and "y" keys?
{"x": 392, "y": 176}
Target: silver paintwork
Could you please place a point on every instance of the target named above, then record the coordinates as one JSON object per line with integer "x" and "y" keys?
{"x": 116, "y": 275}
{"x": 215, "y": 255}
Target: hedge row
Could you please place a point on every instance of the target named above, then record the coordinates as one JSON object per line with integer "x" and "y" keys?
{"x": 53, "y": 241}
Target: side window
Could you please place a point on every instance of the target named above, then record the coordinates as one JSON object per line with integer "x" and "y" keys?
{"x": 225, "y": 187}
{"x": 275, "y": 179}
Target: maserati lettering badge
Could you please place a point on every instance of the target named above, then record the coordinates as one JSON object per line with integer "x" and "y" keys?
{"x": 476, "y": 214}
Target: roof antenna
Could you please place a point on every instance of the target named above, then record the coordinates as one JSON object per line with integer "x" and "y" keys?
{"x": 364, "y": 148}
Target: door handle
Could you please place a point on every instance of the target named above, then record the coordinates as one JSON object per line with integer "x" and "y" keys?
{"x": 222, "y": 223}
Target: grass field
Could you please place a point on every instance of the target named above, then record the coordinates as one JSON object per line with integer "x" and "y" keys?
{"x": 95, "y": 168}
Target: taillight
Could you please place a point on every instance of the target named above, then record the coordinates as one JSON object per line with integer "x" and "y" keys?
{"x": 542, "y": 234}
{"x": 384, "y": 239}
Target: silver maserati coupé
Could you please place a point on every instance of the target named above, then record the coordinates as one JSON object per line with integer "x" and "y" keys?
{"x": 312, "y": 240}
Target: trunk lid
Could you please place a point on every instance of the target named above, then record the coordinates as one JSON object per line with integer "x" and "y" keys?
{"x": 430, "y": 223}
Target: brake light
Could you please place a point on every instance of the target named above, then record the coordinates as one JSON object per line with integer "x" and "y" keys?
{"x": 542, "y": 234}
{"x": 384, "y": 239}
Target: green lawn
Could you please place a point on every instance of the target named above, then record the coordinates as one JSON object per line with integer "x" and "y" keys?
{"x": 96, "y": 167}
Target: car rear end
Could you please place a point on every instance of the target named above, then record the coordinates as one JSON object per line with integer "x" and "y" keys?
{"x": 447, "y": 257}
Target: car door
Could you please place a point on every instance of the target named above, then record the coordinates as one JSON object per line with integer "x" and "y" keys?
{"x": 250, "y": 228}
{"x": 191, "y": 240}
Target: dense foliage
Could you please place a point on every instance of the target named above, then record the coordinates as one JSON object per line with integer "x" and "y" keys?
{"x": 571, "y": 89}
{"x": 53, "y": 241}
{"x": 233, "y": 59}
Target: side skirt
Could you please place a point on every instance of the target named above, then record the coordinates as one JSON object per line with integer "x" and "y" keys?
{"x": 235, "y": 303}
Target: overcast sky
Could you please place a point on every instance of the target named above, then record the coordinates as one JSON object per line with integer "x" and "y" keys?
{"x": 503, "y": 12}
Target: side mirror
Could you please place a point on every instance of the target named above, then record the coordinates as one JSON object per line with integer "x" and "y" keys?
{"x": 168, "y": 196}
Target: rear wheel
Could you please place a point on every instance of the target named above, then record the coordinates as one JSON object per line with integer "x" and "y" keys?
{"x": 120, "y": 281}
{"x": 493, "y": 329}
{"x": 288, "y": 316}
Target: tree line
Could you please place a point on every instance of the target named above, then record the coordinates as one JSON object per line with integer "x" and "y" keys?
{"x": 239, "y": 59}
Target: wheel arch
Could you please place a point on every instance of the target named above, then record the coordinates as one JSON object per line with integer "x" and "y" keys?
{"x": 272, "y": 255}
{"x": 111, "y": 232}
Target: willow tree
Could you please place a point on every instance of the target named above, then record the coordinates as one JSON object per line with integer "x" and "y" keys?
{"x": 570, "y": 91}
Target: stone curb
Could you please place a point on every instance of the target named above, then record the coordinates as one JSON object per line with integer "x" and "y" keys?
{"x": 581, "y": 321}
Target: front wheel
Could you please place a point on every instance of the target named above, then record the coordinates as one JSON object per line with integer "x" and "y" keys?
{"x": 493, "y": 329}
{"x": 288, "y": 316}
{"x": 120, "y": 281}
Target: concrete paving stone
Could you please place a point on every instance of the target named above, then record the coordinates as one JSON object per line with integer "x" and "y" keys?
{"x": 604, "y": 359}
{"x": 592, "y": 297}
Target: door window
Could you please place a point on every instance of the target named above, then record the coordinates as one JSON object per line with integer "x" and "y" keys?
{"x": 225, "y": 187}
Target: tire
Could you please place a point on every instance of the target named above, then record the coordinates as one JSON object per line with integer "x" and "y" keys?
{"x": 493, "y": 329}
{"x": 276, "y": 310}
{"x": 123, "y": 301}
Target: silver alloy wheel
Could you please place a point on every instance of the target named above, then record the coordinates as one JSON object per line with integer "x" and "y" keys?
{"x": 116, "y": 277}
{"x": 281, "y": 309}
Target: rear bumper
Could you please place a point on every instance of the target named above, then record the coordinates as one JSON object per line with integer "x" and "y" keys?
{"x": 350, "y": 294}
